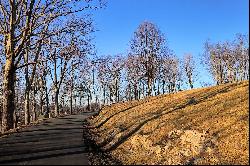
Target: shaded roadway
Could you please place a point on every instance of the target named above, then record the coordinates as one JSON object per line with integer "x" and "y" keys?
{"x": 56, "y": 141}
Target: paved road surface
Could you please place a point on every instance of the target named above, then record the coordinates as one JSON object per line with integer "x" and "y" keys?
{"x": 52, "y": 142}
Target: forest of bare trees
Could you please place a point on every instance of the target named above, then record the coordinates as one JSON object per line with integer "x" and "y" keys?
{"x": 48, "y": 65}
{"x": 40, "y": 41}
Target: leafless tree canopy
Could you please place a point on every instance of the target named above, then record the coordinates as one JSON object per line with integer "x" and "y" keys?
{"x": 32, "y": 29}
{"x": 228, "y": 61}
{"x": 189, "y": 69}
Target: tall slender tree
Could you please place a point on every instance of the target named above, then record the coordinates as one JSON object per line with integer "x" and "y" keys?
{"x": 148, "y": 43}
{"x": 189, "y": 69}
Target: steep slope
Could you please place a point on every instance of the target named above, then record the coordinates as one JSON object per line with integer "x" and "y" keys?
{"x": 200, "y": 126}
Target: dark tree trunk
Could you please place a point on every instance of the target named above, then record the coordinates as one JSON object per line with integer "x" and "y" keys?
{"x": 139, "y": 92}
{"x": 71, "y": 88}
{"x": 41, "y": 104}
{"x": 88, "y": 103}
{"x": 56, "y": 103}
{"x": 191, "y": 86}
{"x": 9, "y": 74}
{"x": 149, "y": 87}
{"x": 158, "y": 88}
{"x": 110, "y": 95}
{"x": 80, "y": 101}
{"x": 135, "y": 91}
{"x": 75, "y": 103}
{"x": 8, "y": 94}
{"x": 116, "y": 91}
{"x": 47, "y": 101}
{"x": 104, "y": 95}
{"x": 34, "y": 115}
{"x": 71, "y": 102}
{"x": 129, "y": 92}
{"x": 143, "y": 89}
{"x": 163, "y": 87}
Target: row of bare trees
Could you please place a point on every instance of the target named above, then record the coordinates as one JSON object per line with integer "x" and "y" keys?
{"x": 228, "y": 61}
{"x": 124, "y": 78}
{"x": 150, "y": 68}
{"x": 38, "y": 40}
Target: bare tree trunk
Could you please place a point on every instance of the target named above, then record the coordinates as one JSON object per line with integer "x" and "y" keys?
{"x": 45, "y": 90}
{"x": 80, "y": 101}
{"x": 221, "y": 73}
{"x": 163, "y": 87}
{"x": 15, "y": 115}
{"x": 191, "y": 83}
{"x": 139, "y": 91}
{"x": 104, "y": 95}
{"x": 15, "y": 120}
{"x": 47, "y": 101}
{"x": 174, "y": 87}
{"x": 110, "y": 95}
{"x": 34, "y": 112}
{"x": 129, "y": 92}
{"x": 26, "y": 109}
{"x": 27, "y": 92}
{"x": 34, "y": 115}
{"x": 88, "y": 102}
{"x": 71, "y": 101}
{"x": 116, "y": 90}
{"x": 8, "y": 91}
{"x": 135, "y": 91}
{"x": 71, "y": 87}
{"x": 149, "y": 86}
{"x": 158, "y": 88}
{"x": 9, "y": 75}
{"x": 41, "y": 103}
{"x": 143, "y": 89}
{"x": 56, "y": 103}
{"x": 118, "y": 95}
{"x": 75, "y": 102}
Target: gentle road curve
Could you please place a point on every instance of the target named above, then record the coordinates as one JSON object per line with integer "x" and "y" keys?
{"x": 56, "y": 141}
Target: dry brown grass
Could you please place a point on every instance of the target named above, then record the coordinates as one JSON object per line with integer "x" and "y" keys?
{"x": 199, "y": 126}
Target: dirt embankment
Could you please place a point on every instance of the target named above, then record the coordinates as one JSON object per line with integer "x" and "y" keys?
{"x": 201, "y": 126}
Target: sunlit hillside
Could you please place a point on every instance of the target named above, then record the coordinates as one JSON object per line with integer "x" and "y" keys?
{"x": 200, "y": 126}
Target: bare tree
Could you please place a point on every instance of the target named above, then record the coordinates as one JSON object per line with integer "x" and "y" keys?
{"x": 214, "y": 61}
{"x": 241, "y": 54}
{"x": 189, "y": 69}
{"x": 227, "y": 61}
{"x": 103, "y": 76}
{"x": 62, "y": 58}
{"x": 148, "y": 43}
{"x": 115, "y": 69}
{"x": 172, "y": 74}
{"x": 44, "y": 92}
{"x": 84, "y": 86}
{"x": 134, "y": 74}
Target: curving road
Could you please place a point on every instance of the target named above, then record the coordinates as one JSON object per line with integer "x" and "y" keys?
{"x": 56, "y": 141}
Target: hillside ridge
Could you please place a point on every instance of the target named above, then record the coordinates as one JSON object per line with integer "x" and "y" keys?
{"x": 198, "y": 126}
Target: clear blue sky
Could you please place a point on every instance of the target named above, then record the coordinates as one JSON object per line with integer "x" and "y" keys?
{"x": 185, "y": 23}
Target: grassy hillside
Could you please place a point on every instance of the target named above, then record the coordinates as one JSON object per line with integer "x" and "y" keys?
{"x": 200, "y": 126}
